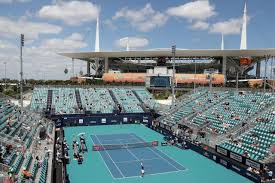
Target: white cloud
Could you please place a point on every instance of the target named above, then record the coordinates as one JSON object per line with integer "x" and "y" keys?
{"x": 110, "y": 24}
{"x": 72, "y": 13}
{"x": 74, "y": 41}
{"x": 200, "y": 25}
{"x": 14, "y": 1}
{"x": 196, "y": 10}
{"x": 32, "y": 30}
{"x": 42, "y": 61}
{"x": 6, "y": 45}
{"x": 144, "y": 19}
{"x": 22, "y": 1}
{"x": 133, "y": 42}
{"x": 231, "y": 26}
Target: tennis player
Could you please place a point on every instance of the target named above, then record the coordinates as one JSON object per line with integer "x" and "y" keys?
{"x": 142, "y": 170}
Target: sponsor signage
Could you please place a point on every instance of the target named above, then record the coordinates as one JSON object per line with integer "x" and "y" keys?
{"x": 236, "y": 168}
{"x": 223, "y": 162}
{"x": 236, "y": 157}
{"x": 253, "y": 164}
{"x": 221, "y": 151}
{"x": 103, "y": 120}
{"x": 214, "y": 158}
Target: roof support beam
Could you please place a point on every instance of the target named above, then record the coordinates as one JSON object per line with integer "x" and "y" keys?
{"x": 224, "y": 58}
{"x": 88, "y": 68}
{"x": 106, "y": 65}
{"x": 258, "y": 70}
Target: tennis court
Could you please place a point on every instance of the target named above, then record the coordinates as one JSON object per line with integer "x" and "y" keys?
{"x": 125, "y": 162}
{"x": 197, "y": 168}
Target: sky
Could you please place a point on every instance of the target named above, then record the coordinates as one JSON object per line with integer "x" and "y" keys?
{"x": 54, "y": 26}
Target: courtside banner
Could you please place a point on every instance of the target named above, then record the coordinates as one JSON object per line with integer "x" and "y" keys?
{"x": 253, "y": 164}
{"x": 236, "y": 157}
{"x": 222, "y": 151}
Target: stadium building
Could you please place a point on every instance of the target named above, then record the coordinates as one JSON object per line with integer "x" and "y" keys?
{"x": 154, "y": 67}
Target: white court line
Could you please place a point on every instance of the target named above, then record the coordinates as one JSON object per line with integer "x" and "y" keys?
{"x": 173, "y": 160}
{"x": 130, "y": 152}
{"x": 119, "y": 139}
{"x": 104, "y": 161}
{"x": 150, "y": 174}
{"x": 137, "y": 160}
{"x": 162, "y": 158}
{"x": 116, "y": 133}
{"x": 138, "y": 139}
{"x": 160, "y": 155}
{"x": 111, "y": 158}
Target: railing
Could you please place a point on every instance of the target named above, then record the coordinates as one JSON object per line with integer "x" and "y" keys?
{"x": 87, "y": 86}
{"x": 243, "y": 130}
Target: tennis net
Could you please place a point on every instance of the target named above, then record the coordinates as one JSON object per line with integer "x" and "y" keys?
{"x": 124, "y": 146}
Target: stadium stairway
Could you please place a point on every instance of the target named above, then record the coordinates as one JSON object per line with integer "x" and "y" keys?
{"x": 143, "y": 106}
{"x": 49, "y": 99}
{"x": 78, "y": 99}
{"x": 115, "y": 100}
{"x": 174, "y": 109}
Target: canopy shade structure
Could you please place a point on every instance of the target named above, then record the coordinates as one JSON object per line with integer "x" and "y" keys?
{"x": 168, "y": 53}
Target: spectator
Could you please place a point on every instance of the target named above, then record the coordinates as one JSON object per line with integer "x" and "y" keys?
{"x": 270, "y": 174}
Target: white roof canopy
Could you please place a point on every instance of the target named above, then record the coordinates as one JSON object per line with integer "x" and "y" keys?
{"x": 168, "y": 53}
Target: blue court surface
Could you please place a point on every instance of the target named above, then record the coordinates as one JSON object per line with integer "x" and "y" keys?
{"x": 124, "y": 163}
{"x": 162, "y": 164}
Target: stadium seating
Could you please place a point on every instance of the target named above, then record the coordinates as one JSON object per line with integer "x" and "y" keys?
{"x": 146, "y": 97}
{"x": 39, "y": 98}
{"x": 44, "y": 169}
{"x": 127, "y": 99}
{"x": 97, "y": 100}
{"x": 20, "y": 134}
{"x": 64, "y": 101}
{"x": 233, "y": 110}
{"x": 184, "y": 108}
{"x": 94, "y": 100}
{"x": 257, "y": 141}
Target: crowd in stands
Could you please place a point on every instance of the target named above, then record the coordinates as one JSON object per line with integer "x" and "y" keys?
{"x": 234, "y": 110}
{"x": 218, "y": 111}
{"x": 255, "y": 143}
{"x": 221, "y": 112}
